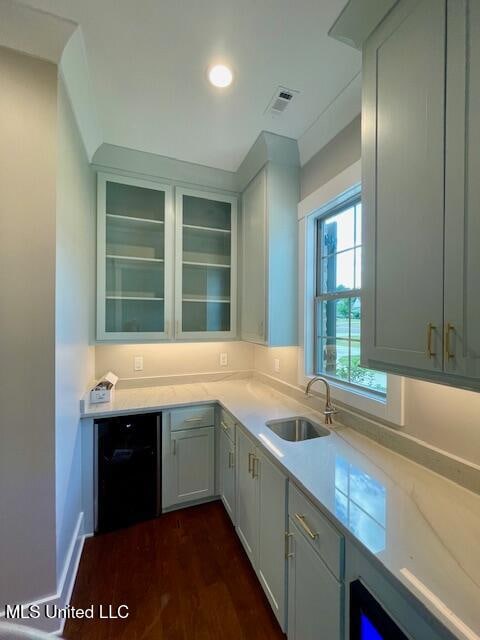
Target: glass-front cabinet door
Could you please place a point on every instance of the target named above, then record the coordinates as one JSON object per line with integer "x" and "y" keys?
{"x": 206, "y": 246}
{"x": 135, "y": 259}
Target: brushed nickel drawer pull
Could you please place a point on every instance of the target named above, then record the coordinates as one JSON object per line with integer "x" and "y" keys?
{"x": 231, "y": 459}
{"x": 430, "y": 329}
{"x": 301, "y": 519}
{"x": 193, "y": 419}
{"x": 174, "y": 447}
{"x": 224, "y": 426}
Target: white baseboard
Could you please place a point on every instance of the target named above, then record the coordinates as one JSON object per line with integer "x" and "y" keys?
{"x": 65, "y": 586}
{"x": 69, "y": 574}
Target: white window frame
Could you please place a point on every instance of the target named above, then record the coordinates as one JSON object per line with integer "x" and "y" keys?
{"x": 389, "y": 407}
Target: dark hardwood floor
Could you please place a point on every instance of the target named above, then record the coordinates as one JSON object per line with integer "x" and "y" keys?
{"x": 183, "y": 576}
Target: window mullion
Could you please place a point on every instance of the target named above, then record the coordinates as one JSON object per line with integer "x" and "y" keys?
{"x": 350, "y": 340}
{"x": 339, "y": 295}
{"x": 332, "y": 334}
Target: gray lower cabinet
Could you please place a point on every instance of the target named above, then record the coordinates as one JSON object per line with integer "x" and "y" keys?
{"x": 421, "y": 192}
{"x": 316, "y": 554}
{"x": 276, "y": 523}
{"x": 271, "y": 567}
{"x": 261, "y": 520}
{"x": 227, "y": 474}
{"x": 247, "y": 496}
{"x": 314, "y": 595}
{"x": 188, "y": 460}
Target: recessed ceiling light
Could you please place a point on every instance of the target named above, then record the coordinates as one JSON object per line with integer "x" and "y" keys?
{"x": 220, "y": 76}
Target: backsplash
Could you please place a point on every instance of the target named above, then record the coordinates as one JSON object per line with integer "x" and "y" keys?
{"x": 440, "y": 416}
{"x": 173, "y": 359}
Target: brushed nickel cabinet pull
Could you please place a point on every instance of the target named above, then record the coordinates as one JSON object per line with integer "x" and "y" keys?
{"x": 430, "y": 329}
{"x": 448, "y": 328}
{"x": 255, "y": 466}
{"x": 301, "y": 519}
{"x": 288, "y": 552}
{"x": 224, "y": 426}
{"x": 231, "y": 459}
{"x": 174, "y": 451}
{"x": 250, "y": 456}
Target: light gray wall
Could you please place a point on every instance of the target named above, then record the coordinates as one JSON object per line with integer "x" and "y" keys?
{"x": 337, "y": 155}
{"x": 74, "y": 316}
{"x": 28, "y": 111}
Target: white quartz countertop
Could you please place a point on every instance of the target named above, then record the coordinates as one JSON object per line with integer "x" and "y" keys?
{"x": 422, "y": 528}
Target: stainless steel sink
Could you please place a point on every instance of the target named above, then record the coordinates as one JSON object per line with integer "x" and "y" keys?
{"x": 297, "y": 429}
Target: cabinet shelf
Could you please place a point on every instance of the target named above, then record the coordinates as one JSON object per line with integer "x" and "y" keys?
{"x": 206, "y": 264}
{"x": 136, "y": 298}
{"x": 204, "y": 300}
{"x": 117, "y": 218}
{"x": 204, "y": 228}
{"x": 133, "y": 258}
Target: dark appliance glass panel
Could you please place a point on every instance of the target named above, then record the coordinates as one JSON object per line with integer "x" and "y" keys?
{"x": 368, "y": 619}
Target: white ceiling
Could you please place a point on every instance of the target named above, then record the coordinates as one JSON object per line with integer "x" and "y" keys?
{"x": 148, "y": 58}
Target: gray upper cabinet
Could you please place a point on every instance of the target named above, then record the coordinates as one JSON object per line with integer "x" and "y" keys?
{"x": 421, "y": 192}
{"x": 134, "y": 259}
{"x": 166, "y": 268}
{"x": 269, "y": 256}
{"x": 206, "y": 265}
{"x": 254, "y": 272}
{"x": 462, "y": 194}
{"x": 403, "y": 124}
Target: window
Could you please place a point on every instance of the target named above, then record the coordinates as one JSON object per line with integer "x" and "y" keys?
{"x": 338, "y": 298}
{"x": 330, "y": 344}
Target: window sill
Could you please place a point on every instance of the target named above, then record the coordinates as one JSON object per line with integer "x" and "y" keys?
{"x": 355, "y": 390}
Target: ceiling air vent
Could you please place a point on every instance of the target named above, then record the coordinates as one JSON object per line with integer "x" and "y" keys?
{"x": 280, "y": 101}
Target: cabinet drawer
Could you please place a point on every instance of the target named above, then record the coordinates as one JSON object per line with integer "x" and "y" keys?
{"x": 322, "y": 535}
{"x": 227, "y": 424}
{"x": 192, "y": 417}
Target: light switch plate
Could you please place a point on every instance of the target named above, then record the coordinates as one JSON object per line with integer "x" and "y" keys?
{"x": 276, "y": 364}
{"x": 138, "y": 363}
{"x": 223, "y": 359}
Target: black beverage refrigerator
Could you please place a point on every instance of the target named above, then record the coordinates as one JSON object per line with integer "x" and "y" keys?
{"x": 128, "y": 470}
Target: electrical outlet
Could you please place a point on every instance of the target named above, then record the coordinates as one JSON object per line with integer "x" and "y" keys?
{"x": 223, "y": 359}
{"x": 138, "y": 363}
{"x": 276, "y": 364}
